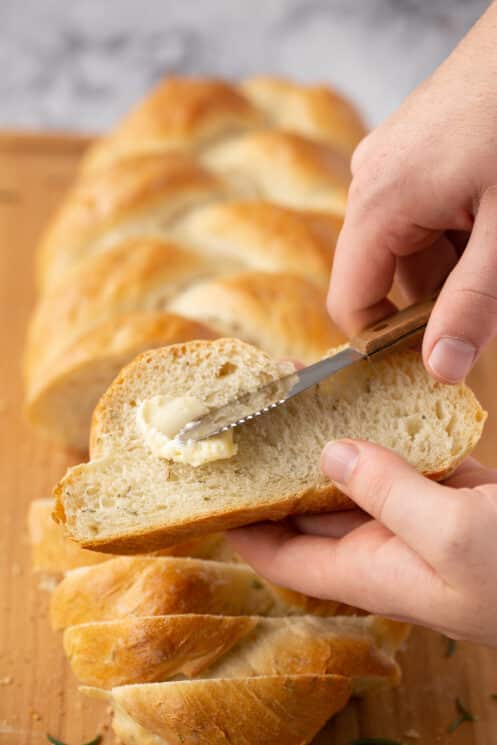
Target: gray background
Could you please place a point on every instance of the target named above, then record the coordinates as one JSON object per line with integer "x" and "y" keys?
{"x": 78, "y": 64}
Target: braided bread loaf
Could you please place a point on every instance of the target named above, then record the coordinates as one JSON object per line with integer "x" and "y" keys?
{"x": 207, "y": 206}
{"x": 202, "y": 180}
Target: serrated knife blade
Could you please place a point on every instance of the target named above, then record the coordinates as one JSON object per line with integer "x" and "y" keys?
{"x": 402, "y": 326}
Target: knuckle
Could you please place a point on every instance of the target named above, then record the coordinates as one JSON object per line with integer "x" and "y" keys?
{"x": 377, "y": 181}
{"x": 474, "y": 292}
{"x": 361, "y": 152}
{"x": 457, "y": 537}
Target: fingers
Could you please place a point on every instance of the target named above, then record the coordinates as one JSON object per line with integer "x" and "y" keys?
{"x": 331, "y": 525}
{"x": 419, "y": 275}
{"x": 391, "y": 491}
{"x": 386, "y": 214}
{"x": 369, "y": 569}
{"x": 470, "y": 474}
{"x": 465, "y": 316}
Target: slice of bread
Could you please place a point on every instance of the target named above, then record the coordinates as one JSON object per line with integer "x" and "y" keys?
{"x": 126, "y": 499}
{"x": 156, "y": 586}
{"x": 106, "y": 654}
{"x": 53, "y": 553}
{"x": 266, "y": 710}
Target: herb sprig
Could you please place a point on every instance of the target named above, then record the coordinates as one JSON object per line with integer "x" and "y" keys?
{"x": 463, "y": 715}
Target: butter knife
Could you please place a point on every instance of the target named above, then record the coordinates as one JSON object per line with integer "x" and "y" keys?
{"x": 405, "y": 326}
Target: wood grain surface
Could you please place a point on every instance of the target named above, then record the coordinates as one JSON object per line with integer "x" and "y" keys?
{"x": 37, "y": 691}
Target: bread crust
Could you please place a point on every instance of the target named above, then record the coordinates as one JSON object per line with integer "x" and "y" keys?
{"x": 156, "y": 586}
{"x": 316, "y": 111}
{"x": 140, "y": 274}
{"x": 283, "y": 314}
{"x": 246, "y": 711}
{"x": 116, "y": 199}
{"x": 192, "y": 113}
{"x": 265, "y": 236}
{"x": 145, "y": 650}
{"x": 284, "y": 167}
{"x": 90, "y": 363}
{"x": 179, "y": 113}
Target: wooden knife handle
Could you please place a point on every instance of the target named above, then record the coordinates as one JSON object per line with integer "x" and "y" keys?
{"x": 392, "y": 329}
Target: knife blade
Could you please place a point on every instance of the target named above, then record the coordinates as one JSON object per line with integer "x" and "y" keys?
{"x": 403, "y": 326}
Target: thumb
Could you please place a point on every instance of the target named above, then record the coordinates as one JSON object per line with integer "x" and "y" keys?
{"x": 465, "y": 315}
{"x": 386, "y": 487}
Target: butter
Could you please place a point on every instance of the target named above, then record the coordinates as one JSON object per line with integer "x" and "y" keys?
{"x": 161, "y": 418}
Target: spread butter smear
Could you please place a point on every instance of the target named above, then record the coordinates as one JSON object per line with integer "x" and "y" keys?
{"x": 161, "y": 418}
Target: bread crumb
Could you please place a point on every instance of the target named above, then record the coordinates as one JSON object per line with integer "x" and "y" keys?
{"x": 47, "y": 583}
{"x": 413, "y": 734}
{"x": 6, "y": 681}
{"x": 35, "y": 716}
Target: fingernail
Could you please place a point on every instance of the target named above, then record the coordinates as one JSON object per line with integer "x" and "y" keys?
{"x": 338, "y": 460}
{"x": 451, "y": 358}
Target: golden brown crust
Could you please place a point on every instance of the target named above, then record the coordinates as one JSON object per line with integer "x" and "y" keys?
{"x": 283, "y": 314}
{"x": 179, "y": 113}
{"x": 120, "y": 198}
{"x": 61, "y": 399}
{"x": 316, "y": 111}
{"x": 139, "y": 274}
{"x": 155, "y": 586}
{"x": 285, "y": 168}
{"x": 266, "y": 236}
{"x": 250, "y": 711}
{"x": 145, "y": 650}
{"x": 143, "y": 586}
{"x": 192, "y": 113}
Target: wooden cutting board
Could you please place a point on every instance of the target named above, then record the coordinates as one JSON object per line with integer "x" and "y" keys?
{"x": 37, "y": 691}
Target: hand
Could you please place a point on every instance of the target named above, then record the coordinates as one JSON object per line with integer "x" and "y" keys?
{"x": 415, "y": 550}
{"x": 423, "y": 205}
